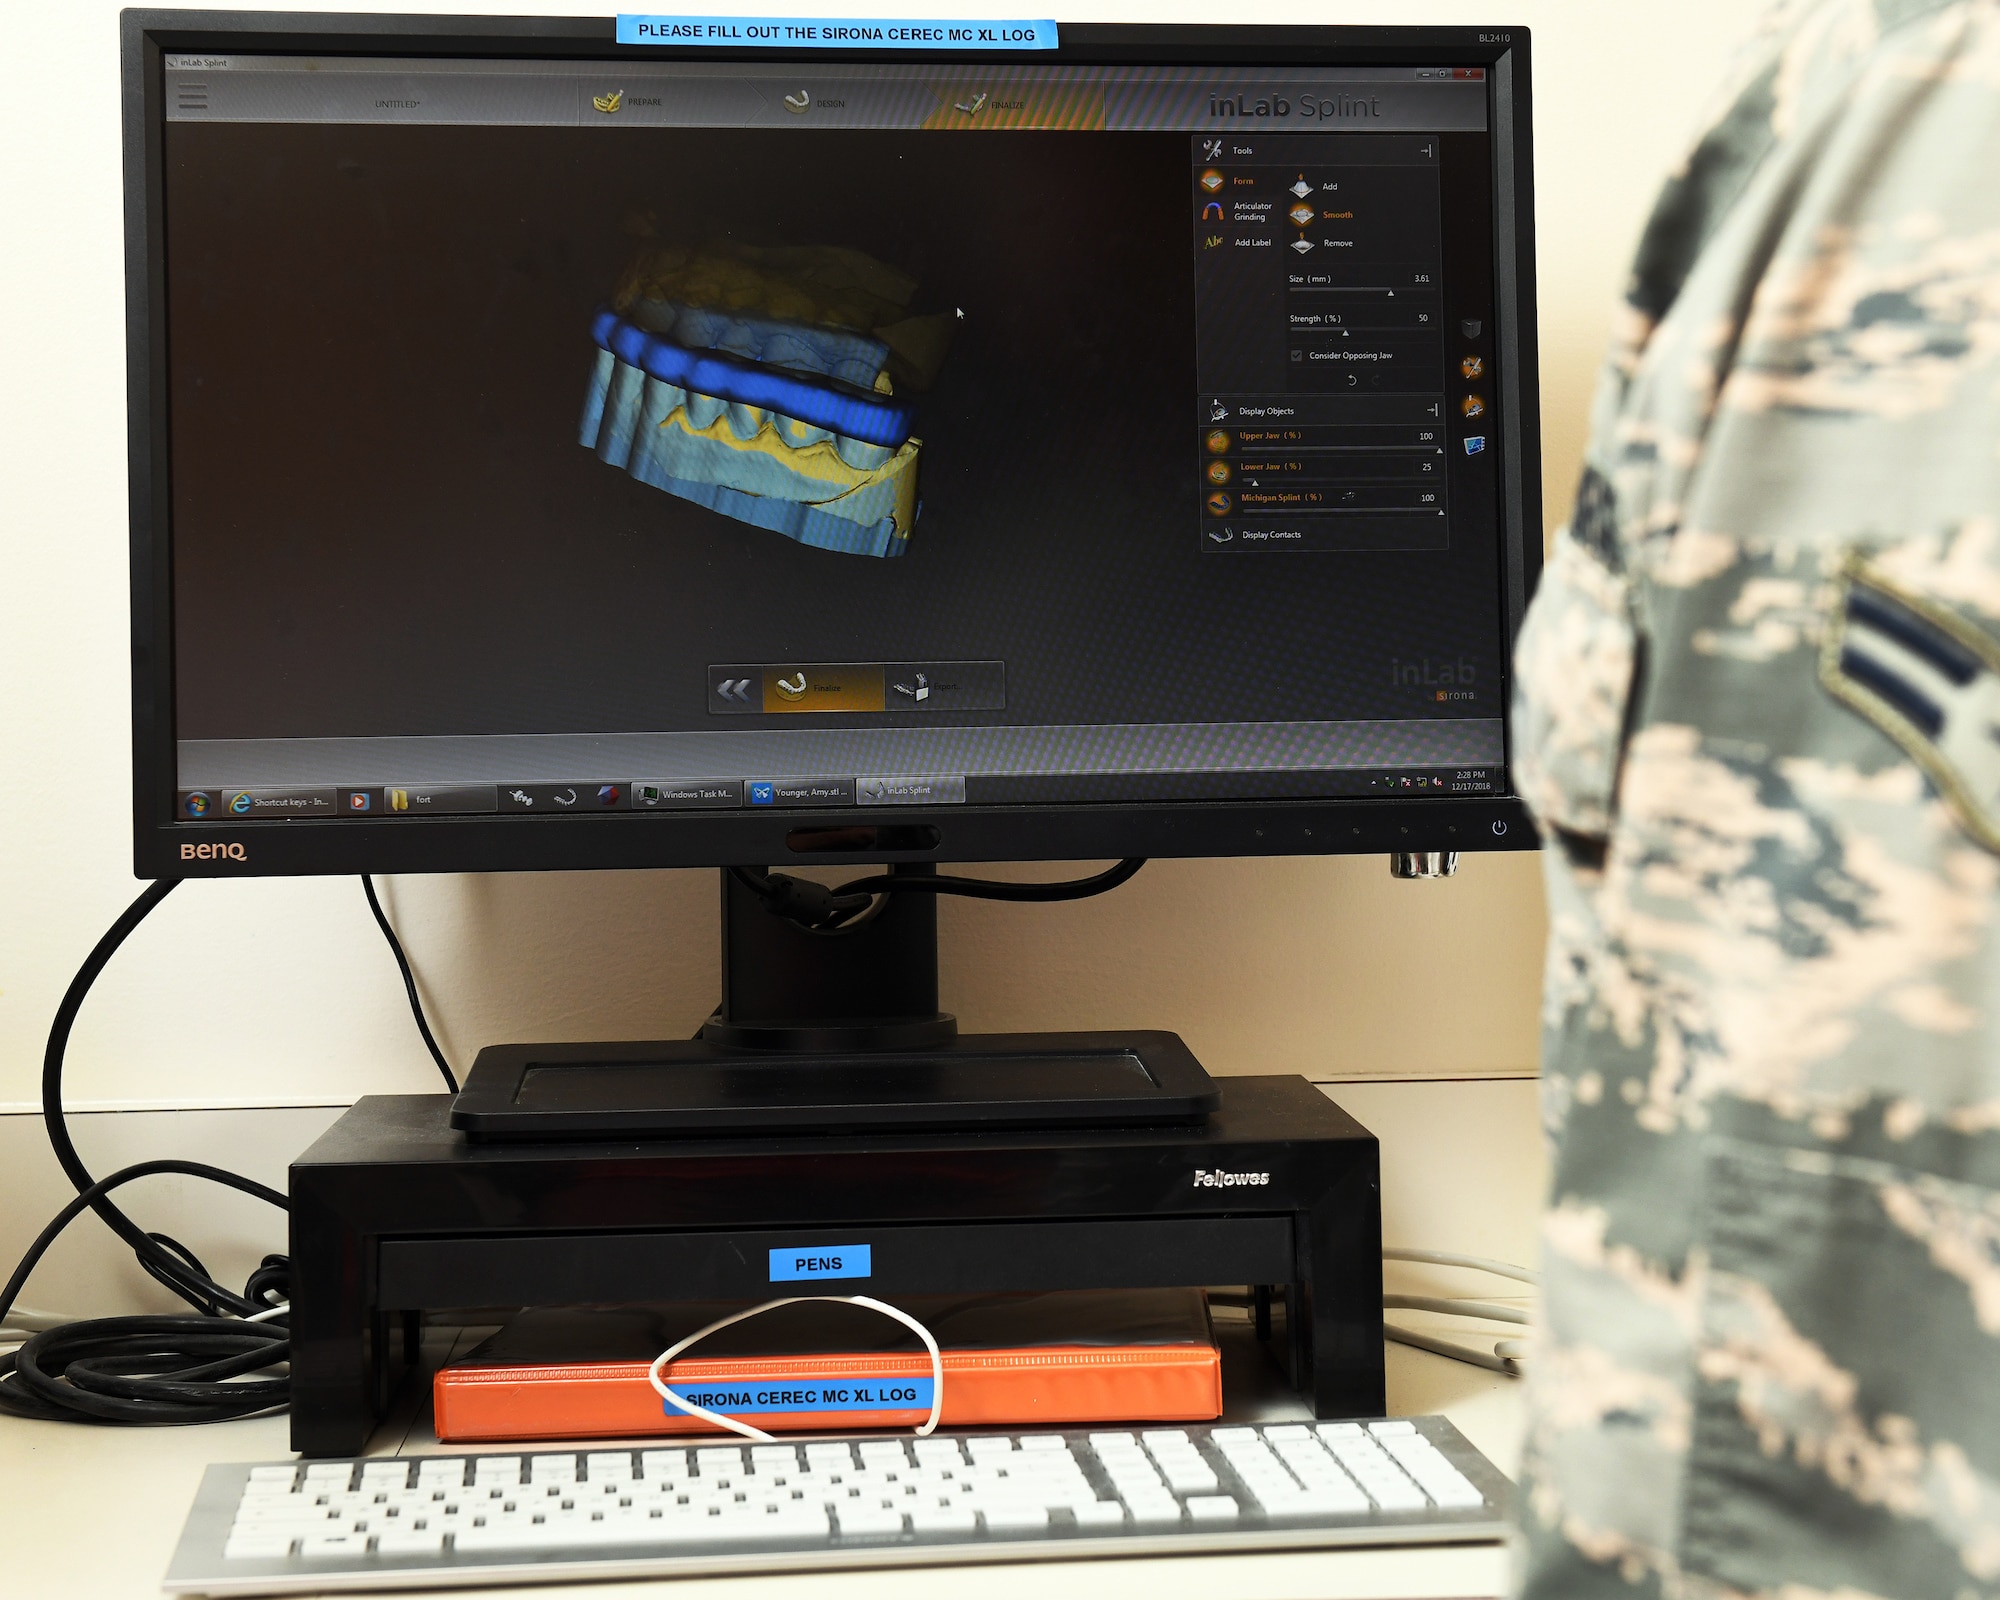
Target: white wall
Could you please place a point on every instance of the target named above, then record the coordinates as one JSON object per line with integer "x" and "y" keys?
{"x": 280, "y": 992}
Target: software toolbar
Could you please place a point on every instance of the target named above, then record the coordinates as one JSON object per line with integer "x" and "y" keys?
{"x": 414, "y": 801}
{"x": 1319, "y": 266}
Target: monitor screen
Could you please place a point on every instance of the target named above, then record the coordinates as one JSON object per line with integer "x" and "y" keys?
{"x": 827, "y": 440}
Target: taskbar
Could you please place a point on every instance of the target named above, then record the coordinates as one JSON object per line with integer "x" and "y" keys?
{"x": 400, "y": 802}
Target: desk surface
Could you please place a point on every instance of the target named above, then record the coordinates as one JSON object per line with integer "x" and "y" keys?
{"x": 93, "y": 1513}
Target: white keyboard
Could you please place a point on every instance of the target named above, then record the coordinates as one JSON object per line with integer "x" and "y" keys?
{"x": 429, "y": 1520}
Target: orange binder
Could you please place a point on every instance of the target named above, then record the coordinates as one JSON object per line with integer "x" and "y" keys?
{"x": 1047, "y": 1360}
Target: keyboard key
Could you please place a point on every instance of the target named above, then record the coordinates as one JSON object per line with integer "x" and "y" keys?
{"x": 411, "y": 1542}
{"x": 1390, "y": 1429}
{"x": 1016, "y": 1519}
{"x": 943, "y": 1519}
{"x": 1443, "y": 1482}
{"x": 323, "y": 1546}
{"x": 1099, "y": 1514}
{"x": 1391, "y": 1495}
{"x": 869, "y": 1522}
{"x": 257, "y": 1545}
{"x": 1041, "y": 1442}
{"x": 511, "y": 1534}
{"x": 1212, "y": 1508}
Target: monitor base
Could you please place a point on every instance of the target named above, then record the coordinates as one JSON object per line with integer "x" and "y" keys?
{"x": 692, "y": 1088}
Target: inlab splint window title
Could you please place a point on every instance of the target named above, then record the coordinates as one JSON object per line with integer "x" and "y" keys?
{"x": 823, "y": 33}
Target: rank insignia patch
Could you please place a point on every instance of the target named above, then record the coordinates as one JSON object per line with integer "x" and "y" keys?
{"x": 1927, "y": 678}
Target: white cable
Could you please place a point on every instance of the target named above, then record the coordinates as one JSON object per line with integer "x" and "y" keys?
{"x": 24, "y": 1320}
{"x": 1511, "y": 1349}
{"x": 1484, "y": 1310}
{"x": 1440, "y": 1258}
{"x": 1496, "y": 1362}
{"x": 659, "y": 1362}
{"x": 33, "y": 1321}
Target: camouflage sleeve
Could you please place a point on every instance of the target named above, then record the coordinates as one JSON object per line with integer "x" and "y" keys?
{"x": 1574, "y": 663}
{"x": 1765, "y": 673}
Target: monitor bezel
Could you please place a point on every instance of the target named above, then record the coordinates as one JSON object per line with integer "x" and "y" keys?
{"x": 165, "y": 848}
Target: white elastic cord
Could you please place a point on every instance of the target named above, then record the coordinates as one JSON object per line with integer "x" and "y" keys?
{"x": 1500, "y": 1361}
{"x": 32, "y": 1321}
{"x": 1483, "y": 1310}
{"x": 1443, "y": 1258}
{"x": 732, "y": 1424}
{"x": 1508, "y": 1354}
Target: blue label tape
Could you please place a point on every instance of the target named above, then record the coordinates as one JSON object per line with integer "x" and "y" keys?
{"x": 821, "y": 1261}
{"x": 837, "y": 33}
{"x": 805, "y": 1394}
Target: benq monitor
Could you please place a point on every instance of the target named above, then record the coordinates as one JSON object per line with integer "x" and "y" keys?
{"x": 553, "y": 452}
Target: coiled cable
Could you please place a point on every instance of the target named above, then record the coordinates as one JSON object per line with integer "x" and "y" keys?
{"x": 146, "y": 1370}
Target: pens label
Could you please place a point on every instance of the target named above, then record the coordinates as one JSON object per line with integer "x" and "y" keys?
{"x": 821, "y": 1261}
{"x": 837, "y": 33}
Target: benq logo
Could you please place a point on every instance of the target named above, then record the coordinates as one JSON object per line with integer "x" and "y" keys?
{"x": 214, "y": 852}
{"x": 1230, "y": 1180}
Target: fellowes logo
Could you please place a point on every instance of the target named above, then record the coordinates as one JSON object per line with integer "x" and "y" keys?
{"x": 1204, "y": 1179}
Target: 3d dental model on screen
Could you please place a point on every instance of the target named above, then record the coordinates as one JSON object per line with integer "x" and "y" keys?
{"x": 763, "y": 384}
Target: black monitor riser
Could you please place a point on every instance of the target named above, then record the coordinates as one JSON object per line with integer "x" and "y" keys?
{"x": 830, "y": 1031}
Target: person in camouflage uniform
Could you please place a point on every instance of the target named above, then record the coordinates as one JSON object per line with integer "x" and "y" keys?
{"x": 1758, "y": 719}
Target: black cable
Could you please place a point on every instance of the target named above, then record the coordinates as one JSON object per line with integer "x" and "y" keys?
{"x": 992, "y": 889}
{"x": 409, "y": 981}
{"x": 90, "y": 1196}
{"x": 137, "y": 1369}
{"x": 150, "y": 1370}
{"x": 191, "y": 1284}
{"x": 827, "y": 910}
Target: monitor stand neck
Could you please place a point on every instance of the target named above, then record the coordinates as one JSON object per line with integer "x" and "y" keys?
{"x": 872, "y": 986}
{"x": 823, "y": 1034}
